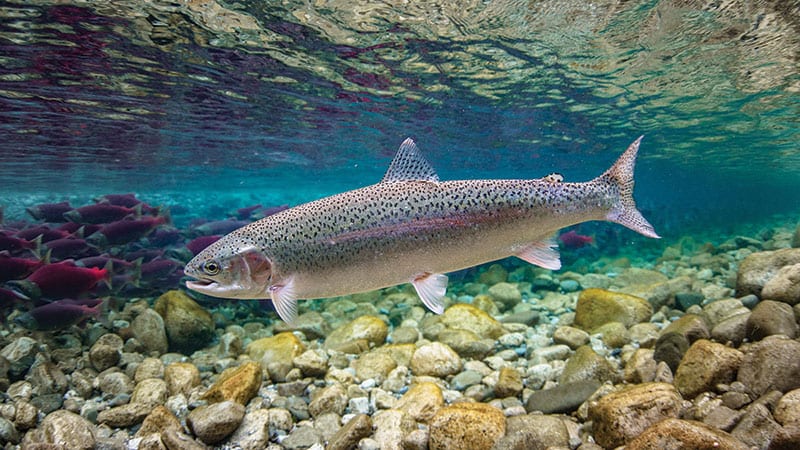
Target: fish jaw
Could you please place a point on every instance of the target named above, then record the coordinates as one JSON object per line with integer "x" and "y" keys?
{"x": 243, "y": 275}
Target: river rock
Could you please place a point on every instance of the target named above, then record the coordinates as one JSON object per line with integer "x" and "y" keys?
{"x": 369, "y": 328}
{"x": 331, "y": 398}
{"x": 787, "y": 411}
{"x": 670, "y": 348}
{"x": 421, "y": 401}
{"x": 106, "y": 351}
{"x": 253, "y": 433}
{"x": 534, "y": 432}
{"x": 148, "y": 328}
{"x": 238, "y": 384}
{"x": 126, "y": 415}
{"x": 462, "y": 316}
{"x": 353, "y": 431}
{"x": 181, "y": 377}
{"x": 564, "y": 398}
{"x": 20, "y": 354}
{"x": 733, "y": 329}
{"x": 276, "y": 353}
{"x": 585, "y": 364}
{"x": 570, "y": 336}
{"x": 466, "y": 426}
{"x": 188, "y": 325}
{"x": 115, "y": 383}
{"x": 159, "y": 420}
{"x": 391, "y": 425}
{"x": 640, "y": 367}
{"x": 758, "y": 268}
{"x": 47, "y": 378}
{"x": 705, "y": 365}
{"x": 213, "y": 423}
{"x": 435, "y": 359}
{"x": 598, "y": 306}
{"x": 466, "y": 343}
{"x": 771, "y": 364}
{"x": 621, "y": 416}
{"x": 152, "y": 391}
{"x": 675, "y": 434}
{"x": 312, "y": 324}
{"x": 505, "y": 294}
{"x": 65, "y": 429}
{"x": 8, "y": 432}
{"x": 690, "y": 326}
{"x": 784, "y": 286}
{"x": 374, "y": 365}
{"x": 770, "y": 317}
{"x": 509, "y": 383}
{"x": 756, "y": 427}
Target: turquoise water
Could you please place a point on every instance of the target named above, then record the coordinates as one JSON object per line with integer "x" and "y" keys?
{"x": 203, "y": 103}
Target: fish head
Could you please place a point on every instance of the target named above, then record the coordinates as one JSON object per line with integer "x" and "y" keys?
{"x": 226, "y": 271}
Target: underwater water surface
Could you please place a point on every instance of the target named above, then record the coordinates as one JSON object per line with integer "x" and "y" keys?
{"x": 284, "y": 102}
{"x": 134, "y": 134}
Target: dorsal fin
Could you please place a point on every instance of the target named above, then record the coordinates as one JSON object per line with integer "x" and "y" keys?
{"x": 409, "y": 164}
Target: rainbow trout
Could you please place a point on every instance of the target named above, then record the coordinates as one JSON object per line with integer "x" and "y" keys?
{"x": 410, "y": 227}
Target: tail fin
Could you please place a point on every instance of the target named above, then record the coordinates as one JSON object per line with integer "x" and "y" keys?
{"x": 620, "y": 175}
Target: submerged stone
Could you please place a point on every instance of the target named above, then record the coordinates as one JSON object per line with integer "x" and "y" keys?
{"x": 597, "y": 307}
{"x": 466, "y": 426}
{"x": 188, "y": 325}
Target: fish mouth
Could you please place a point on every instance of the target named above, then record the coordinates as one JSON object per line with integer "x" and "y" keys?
{"x": 201, "y": 284}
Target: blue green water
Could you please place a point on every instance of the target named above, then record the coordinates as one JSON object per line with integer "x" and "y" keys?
{"x": 207, "y": 104}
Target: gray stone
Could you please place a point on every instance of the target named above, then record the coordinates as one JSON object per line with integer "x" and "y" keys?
{"x": 115, "y": 383}
{"x": 771, "y": 364}
{"x": 253, "y": 433}
{"x": 20, "y": 354}
{"x": 670, "y": 349}
{"x": 353, "y": 431}
{"x": 8, "y": 432}
{"x": 505, "y": 294}
{"x": 784, "y": 286}
{"x": 148, "y": 328}
{"x": 213, "y": 423}
{"x": 563, "y": 398}
{"x": 758, "y": 268}
{"x": 66, "y": 429}
{"x": 533, "y": 432}
{"x": 570, "y": 336}
{"x": 585, "y": 364}
{"x": 332, "y": 398}
{"x": 756, "y": 428}
{"x": 465, "y": 379}
{"x": 687, "y": 299}
{"x": 47, "y": 378}
{"x": 435, "y": 359}
{"x": 771, "y": 317}
{"x": 106, "y": 352}
{"x": 731, "y": 330}
{"x": 302, "y": 438}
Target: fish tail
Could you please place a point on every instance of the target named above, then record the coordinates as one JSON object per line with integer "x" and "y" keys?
{"x": 620, "y": 177}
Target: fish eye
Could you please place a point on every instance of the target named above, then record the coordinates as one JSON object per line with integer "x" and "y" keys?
{"x": 211, "y": 268}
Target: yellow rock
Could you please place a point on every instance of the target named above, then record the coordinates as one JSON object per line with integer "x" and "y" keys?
{"x": 421, "y": 401}
{"x": 281, "y": 348}
{"x": 181, "y": 377}
{"x": 238, "y": 384}
{"x": 466, "y": 426}
{"x": 598, "y": 306}
{"x": 371, "y": 328}
{"x": 621, "y": 416}
{"x": 462, "y": 316}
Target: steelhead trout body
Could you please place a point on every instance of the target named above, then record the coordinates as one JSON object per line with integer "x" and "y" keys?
{"x": 410, "y": 227}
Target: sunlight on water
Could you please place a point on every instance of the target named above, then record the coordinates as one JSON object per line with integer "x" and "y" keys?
{"x": 97, "y": 96}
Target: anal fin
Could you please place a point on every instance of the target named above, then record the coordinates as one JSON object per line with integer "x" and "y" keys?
{"x": 285, "y": 301}
{"x": 431, "y": 288}
{"x": 541, "y": 253}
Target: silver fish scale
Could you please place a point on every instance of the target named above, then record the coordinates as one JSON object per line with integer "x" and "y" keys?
{"x": 403, "y": 215}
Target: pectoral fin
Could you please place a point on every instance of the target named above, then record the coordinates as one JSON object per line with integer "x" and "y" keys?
{"x": 285, "y": 300}
{"x": 431, "y": 288}
{"x": 541, "y": 253}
